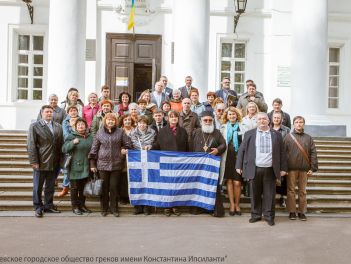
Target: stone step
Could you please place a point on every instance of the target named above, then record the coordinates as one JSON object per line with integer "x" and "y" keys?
{"x": 128, "y": 209}
{"x": 8, "y": 140}
{"x": 318, "y": 142}
{"x": 331, "y": 163}
{"x": 323, "y": 157}
{"x": 13, "y": 145}
{"x": 331, "y": 183}
{"x": 333, "y": 152}
{"x": 334, "y": 147}
{"x": 339, "y": 169}
{"x": 331, "y": 176}
{"x": 328, "y": 190}
{"x": 15, "y": 164}
{"x": 16, "y": 171}
{"x": 12, "y": 157}
{"x": 18, "y": 151}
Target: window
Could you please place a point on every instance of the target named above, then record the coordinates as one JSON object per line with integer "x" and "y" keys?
{"x": 29, "y": 67}
{"x": 233, "y": 64}
{"x": 334, "y": 75}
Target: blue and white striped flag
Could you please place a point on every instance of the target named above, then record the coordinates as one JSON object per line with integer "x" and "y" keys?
{"x": 168, "y": 179}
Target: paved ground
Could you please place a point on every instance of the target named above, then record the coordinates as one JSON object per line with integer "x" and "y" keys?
{"x": 231, "y": 239}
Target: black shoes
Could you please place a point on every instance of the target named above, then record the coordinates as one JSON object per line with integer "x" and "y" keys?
{"x": 167, "y": 212}
{"x": 231, "y": 213}
{"x": 53, "y": 210}
{"x": 84, "y": 209}
{"x": 39, "y": 213}
{"x": 147, "y": 210}
{"x": 138, "y": 209}
{"x": 104, "y": 213}
{"x": 176, "y": 211}
{"x": 115, "y": 214}
{"x": 270, "y": 222}
{"x": 254, "y": 220}
{"x": 77, "y": 211}
{"x": 292, "y": 216}
{"x": 302, "y": 217}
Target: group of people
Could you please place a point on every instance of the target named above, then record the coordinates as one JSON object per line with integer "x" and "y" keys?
{"x": 254, "y": 146}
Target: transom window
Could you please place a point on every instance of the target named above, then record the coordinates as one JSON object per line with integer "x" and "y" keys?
{"x": 30, "y": 70}
{"x": 233, "y": 64}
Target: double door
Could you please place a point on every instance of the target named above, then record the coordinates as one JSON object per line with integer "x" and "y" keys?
{"x": 133, "y": 63}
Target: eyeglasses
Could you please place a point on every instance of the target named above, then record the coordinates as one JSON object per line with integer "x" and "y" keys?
{"x": 219, "y": 110}
{"x": 226, "y": 82}
{"x": 207, "y": 120}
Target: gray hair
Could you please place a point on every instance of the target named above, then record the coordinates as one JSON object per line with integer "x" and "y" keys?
{"x": 52, "y": 95}
{"x": 132, "y": 105}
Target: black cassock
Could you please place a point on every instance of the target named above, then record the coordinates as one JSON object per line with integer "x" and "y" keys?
{"x": 203, "y": 142}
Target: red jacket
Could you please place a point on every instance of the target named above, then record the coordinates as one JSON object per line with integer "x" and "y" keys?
{"x": 89, "y": 113}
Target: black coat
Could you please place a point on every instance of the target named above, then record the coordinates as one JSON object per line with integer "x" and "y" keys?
{"x": 44, "y": 148}
{"x": 167, "y": 141}
{"x": 246, "y": 159}
{"x": 215, "y": 140}
{"x": 154, "y": 126}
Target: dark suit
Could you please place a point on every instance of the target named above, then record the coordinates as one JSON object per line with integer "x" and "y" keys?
{"x": 168, "y": 91}
{"x": 184, "y": 91}
{"x": 155, "y": 127}
{"x": 262, "y": 180}
{"x": 164, "y": 97}
{"x": 167, "y": 141}
{"x": 44, "y": 148}
{"x": 221, "y": 93}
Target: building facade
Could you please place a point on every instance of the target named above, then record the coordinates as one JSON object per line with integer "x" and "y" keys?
{"x": 296, "y": 50}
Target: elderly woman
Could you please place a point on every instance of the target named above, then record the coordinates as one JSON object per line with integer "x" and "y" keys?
{"x": 91, "y": 109}
{"x": 176, "y": 101}
{"x": 249, "y": 121}
{"x": 172, "y": 137}
{"x": 133, "y": 111}
{"x": 142, "y": 138}
{"x": 232, "y": 133}
{"x": 196, "y": 106}
{"x": 59, "y": 113}
{"x": 277, "y": 119}
{"x": 106, "y": 158}
{"x": 124, "y": 101}
{"x": 78, "y": 143}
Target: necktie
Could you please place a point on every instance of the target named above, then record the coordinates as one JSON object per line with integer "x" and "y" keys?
{"x": 159, "y": 126}
{"x": 50, "y": 127}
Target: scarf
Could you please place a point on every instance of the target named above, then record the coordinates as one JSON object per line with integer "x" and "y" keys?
{"x": 232, "y": 134}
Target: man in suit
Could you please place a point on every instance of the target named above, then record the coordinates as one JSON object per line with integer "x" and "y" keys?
{"x": 158, "y": 96}
{"x": 225, "y": 92}
{"x": 185, "y": 90}
{"x": 168, "y": 91}
{"x": 45, "y": 139}
{"x": 158, "y": 120}
{"x": 261, "y": 159}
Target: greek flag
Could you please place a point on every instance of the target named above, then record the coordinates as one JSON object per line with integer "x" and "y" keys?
{"x": 168, "y": 179}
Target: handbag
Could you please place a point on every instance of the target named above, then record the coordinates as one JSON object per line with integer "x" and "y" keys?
{"x": 67, "y": 161}
{"x": 93, "y": 187}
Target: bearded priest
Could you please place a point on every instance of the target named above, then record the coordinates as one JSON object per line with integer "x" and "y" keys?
{"x": 209, "y": 139}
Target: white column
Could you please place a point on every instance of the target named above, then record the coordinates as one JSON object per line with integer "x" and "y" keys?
{"x": 66, "y": 58}
{"x": 191, "y": 37}
{"x": 309, "y": 59}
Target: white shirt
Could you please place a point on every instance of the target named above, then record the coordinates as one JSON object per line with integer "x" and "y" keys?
{"x": 263, "y": 148}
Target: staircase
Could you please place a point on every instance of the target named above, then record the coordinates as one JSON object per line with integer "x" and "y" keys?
{"x": 328, "y": 191}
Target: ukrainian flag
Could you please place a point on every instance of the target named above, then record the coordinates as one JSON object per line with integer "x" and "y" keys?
{"x": 131, "y": 17}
